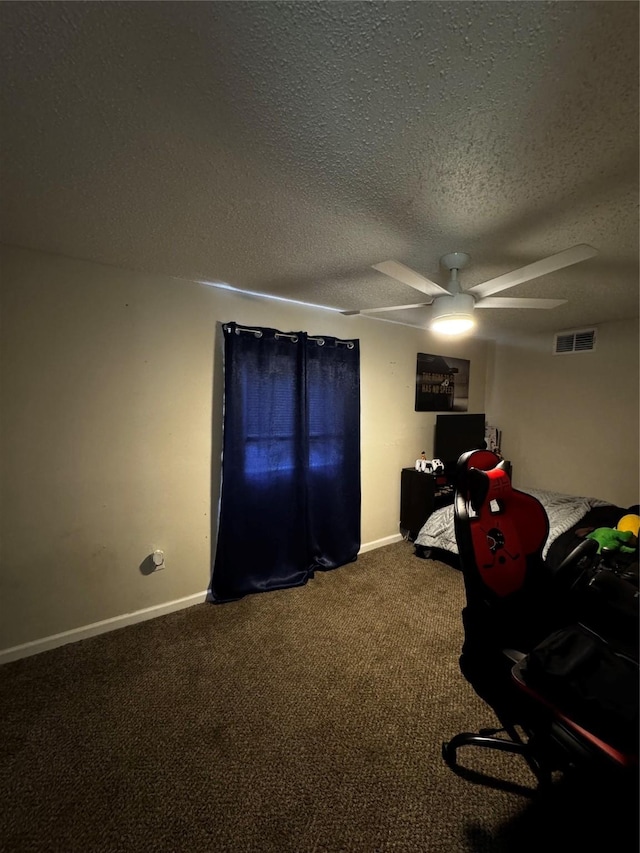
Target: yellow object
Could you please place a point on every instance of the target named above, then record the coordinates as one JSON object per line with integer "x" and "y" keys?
{"x": 629, "y": 522}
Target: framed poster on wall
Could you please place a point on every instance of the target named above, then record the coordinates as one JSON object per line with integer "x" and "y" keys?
{"x": 442, "y": 383}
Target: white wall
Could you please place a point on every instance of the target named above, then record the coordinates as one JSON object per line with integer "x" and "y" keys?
{"x": 111, "y": 427}
{"x": 571, "y": 422}
{"x": 111, "y": 430}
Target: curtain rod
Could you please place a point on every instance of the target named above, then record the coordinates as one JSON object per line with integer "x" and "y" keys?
{"x": 292, "y": 338}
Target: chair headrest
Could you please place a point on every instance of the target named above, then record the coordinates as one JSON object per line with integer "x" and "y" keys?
{"x": 486, "y": 486}
{"x": 483, "y": 459}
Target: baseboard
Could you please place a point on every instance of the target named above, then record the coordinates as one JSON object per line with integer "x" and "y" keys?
{"x": 86, "y": 631}
{"x": 380, "y": 543}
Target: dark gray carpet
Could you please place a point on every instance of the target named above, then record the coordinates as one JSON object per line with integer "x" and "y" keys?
{"x": 307, "y": 720}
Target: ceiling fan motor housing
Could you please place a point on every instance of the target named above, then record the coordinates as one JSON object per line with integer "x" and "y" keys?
{"x": 460, "y": 305}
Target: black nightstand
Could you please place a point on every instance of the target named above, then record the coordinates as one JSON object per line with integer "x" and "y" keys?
{"x": 420, "y": 495}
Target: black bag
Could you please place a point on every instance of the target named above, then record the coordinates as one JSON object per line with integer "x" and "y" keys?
{"x": 590, "y": 681}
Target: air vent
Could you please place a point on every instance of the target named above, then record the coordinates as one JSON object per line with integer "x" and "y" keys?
{"x": 583, "y": 340}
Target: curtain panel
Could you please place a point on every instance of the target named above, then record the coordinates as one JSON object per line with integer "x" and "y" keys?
{"x": 290, "y": 491}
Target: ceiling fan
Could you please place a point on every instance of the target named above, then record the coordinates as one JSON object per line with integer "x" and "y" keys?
{"x": 452, "y": 308}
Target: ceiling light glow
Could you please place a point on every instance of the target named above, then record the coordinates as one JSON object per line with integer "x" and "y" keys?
{"x": 453, "y": 325}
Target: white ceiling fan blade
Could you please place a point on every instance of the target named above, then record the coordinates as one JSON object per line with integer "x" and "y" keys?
{"x": 391, "y": 308}
{"x": 534, "y": 270}
{"x": 515, "y": 302}
{"x": 409, "y": 277}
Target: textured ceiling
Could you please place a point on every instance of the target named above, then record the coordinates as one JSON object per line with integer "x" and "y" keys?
{"x": 286, "y": 147}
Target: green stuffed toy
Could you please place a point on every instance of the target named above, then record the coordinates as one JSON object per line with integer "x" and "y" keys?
{"x": 613, "y": 540}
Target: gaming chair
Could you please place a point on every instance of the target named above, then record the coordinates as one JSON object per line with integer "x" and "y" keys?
{"x": 565, "y": 695}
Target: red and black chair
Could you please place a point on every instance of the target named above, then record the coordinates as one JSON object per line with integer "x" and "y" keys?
{"x": 564, "y": 695}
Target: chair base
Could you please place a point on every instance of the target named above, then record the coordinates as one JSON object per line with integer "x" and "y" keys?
{"x": 511, "y": 742}
{"x": 553, "y": 749}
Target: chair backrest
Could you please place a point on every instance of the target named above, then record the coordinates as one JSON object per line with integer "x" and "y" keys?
{"x": 500, "y": 532}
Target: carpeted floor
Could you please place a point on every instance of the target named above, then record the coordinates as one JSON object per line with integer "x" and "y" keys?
{"x": 308, "y": 720}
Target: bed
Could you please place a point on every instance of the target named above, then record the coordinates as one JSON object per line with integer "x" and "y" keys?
{"x": 567, "y": 514}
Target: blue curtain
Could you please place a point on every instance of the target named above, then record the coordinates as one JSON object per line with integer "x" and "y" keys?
{"x": 290, "y": 493}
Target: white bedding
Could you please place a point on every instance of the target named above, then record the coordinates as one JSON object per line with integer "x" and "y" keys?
{"x": 563, "y": 510}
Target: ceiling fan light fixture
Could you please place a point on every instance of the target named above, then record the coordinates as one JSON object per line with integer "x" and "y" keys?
{"x": 452, "y": 315}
